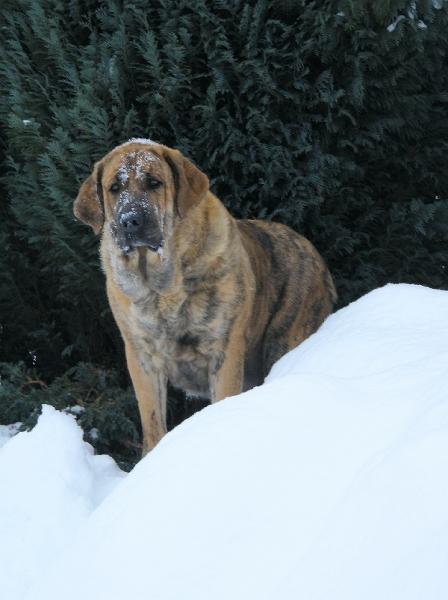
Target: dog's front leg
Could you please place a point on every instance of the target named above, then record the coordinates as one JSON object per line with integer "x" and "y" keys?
{"x": 150, "y": 388}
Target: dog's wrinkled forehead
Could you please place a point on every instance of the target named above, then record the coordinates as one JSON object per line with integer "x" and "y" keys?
{"x": 132, "y": 160}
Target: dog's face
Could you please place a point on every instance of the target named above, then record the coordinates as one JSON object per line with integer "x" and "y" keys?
{"x": 138, "y": 190}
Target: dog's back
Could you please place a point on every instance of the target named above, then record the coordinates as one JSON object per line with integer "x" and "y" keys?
{"x": 294, "y": 293}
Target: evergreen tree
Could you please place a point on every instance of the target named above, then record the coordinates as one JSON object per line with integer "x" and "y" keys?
{"x": 330, "y": 116}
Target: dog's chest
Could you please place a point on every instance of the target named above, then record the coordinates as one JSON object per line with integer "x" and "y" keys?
{"x": 185, "y": 335}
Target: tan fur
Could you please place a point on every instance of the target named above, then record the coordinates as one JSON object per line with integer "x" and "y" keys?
{"x": 202, "y": 300}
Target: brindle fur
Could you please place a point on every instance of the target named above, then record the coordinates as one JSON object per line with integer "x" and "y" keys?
{"x": 204, "y": 301}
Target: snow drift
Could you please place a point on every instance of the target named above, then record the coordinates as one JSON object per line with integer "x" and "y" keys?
{"x": 330, "y": 481}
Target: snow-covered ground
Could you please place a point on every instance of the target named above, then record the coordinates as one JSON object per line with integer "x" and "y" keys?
{"x": 330, "y": 481}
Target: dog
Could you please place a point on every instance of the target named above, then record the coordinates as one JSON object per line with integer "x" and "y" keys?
{"x": 202, "y": 300}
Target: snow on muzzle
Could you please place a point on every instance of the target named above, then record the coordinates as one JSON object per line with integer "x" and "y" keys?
{"x": 137, "y": 225}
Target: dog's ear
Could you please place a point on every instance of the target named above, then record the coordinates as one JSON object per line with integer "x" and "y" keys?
{"x": 191, "y": 184}
{"x": 89, "y": 205}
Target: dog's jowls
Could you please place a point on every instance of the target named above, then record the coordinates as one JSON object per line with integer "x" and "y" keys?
{"x": 202, "y": 300}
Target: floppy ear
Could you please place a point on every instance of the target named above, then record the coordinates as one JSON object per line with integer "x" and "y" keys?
{"x": 89, "y": 205}
{"x": 191, "y": 184}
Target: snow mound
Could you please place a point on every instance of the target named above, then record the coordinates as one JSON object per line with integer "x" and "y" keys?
{"x": 50, "y": 482}
{"x": 330, "y": 481}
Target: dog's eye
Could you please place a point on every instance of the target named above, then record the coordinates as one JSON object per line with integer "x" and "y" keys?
{"x": 153, "y": 183}
{"x": 114, "y": 187}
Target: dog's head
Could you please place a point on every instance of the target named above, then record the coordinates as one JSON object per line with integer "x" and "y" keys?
{"x": 134, "y": 187}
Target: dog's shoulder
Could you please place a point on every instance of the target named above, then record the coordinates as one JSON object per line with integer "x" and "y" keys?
{"x": 269, "y": 245}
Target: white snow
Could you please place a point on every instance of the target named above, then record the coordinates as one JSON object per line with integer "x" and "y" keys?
{"x": 393, "y": 25}
{"x": 50, "y": 482}
{"x": 330, "y": 481}
{"x": 123, "y": 173}
{"x": 7, "y": 431}
{"x": 146, "y": 141}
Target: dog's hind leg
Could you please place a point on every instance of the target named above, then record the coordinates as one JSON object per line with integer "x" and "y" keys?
{"x": 253, "y": 369}
{"x": 226, "y": 376}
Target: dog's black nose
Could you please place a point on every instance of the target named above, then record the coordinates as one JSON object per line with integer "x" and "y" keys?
{"x": 131, "y": 221}
{"x": 136, "y": 226}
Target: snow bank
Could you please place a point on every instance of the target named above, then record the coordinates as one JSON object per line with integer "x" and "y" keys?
{"x": 7, "y": 432}
{"x": 50, "y": 482}
{"x": 328, "y": 482}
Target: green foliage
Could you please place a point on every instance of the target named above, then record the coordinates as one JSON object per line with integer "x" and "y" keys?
{"x": 330, "y": 116}
{"x": 106, "y": 411}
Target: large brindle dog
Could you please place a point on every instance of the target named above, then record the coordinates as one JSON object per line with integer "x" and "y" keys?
{"x": 202, "y": 300}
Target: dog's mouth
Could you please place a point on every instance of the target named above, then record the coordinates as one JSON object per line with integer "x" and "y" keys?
{"x": 137, "y": 226}
{"x": 128, "y": 242}
{"x": 153, "y": 247}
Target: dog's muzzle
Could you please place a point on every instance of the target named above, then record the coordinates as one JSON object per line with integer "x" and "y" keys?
{"x": 136, "y": 227}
